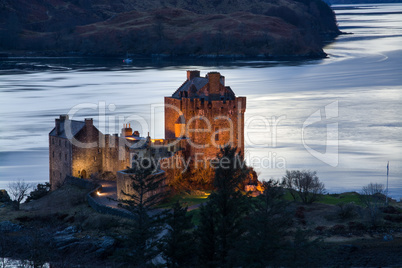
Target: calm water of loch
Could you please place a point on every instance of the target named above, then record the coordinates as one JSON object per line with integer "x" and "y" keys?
{"x": 355, "y": 94}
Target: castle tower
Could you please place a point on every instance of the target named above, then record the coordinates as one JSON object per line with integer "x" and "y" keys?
{"x": 208, "y": 112}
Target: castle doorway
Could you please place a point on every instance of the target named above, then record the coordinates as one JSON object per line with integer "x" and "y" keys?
{"x": 83, "y": 174}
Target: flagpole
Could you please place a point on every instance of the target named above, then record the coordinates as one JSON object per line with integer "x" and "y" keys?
{"x": 386, "y": 198}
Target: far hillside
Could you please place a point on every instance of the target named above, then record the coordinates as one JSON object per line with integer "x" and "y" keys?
{"x": 339, "y": 2}
{"x": 166, "y": 27}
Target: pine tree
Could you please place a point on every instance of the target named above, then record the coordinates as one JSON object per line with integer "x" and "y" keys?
{"x": 148, "y": 187}
{"x": 206, "y": 234}
{"x": 178, "y": 244}
{"x": 229, "y": 204}
{"x": 266, "y": 228}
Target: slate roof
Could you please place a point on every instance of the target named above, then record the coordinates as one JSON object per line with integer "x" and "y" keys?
{"x": 230, "y": 91}
{"x": 75, "y": 126}
{"x": 198, "y": 82}
{"x": 139, "y": 145}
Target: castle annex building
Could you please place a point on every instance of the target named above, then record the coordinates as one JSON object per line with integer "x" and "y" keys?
{"x": 79, "y": 149}
{"x": 200, "y": 116}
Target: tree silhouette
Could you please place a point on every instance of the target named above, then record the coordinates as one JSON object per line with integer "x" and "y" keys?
{"x": 207, "y": 235}
{"x": 227, "y": 205}
{"x": 265, "y": 228}
{"x": 148, "y": 190}
{"x": 40, "y": 191}
{"x": 303, "y": 184}
{"x": 373, "y": 197}
{"x": 18, "y": 191}
{"x": 178, "y": 244}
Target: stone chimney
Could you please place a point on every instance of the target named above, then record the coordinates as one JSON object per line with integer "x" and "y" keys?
{"x": 60, "y": 120}
{"x": 89, "y": 129}
{"x": 64, "y": 117}
{"x": 126, "y": 131}
{"x": 89, "y": 122}
{"x": 214, "y": 81}
{"x": 57, "y": 123}
{"x": 192, "y": 74}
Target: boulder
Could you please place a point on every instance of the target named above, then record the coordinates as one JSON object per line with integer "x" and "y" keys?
{"x": 9, "y": 227}
{"x": 108, "y": 242}
{"x": 64, "y": 240}
{"x": 69, "y": 230}
{"x": 4, "y": 197}
{"x": 106, "y": 245}
{"x": 79, "y": 246}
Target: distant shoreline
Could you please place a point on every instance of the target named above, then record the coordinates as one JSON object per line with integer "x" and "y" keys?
{"x": 51, "y": 55}
{"x": 361, "y": 2}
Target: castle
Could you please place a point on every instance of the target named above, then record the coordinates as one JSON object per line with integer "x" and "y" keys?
{"x": 200, "y": 116}
{"x": 207, "y": 112}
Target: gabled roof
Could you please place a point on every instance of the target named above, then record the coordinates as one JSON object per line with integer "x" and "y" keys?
{"x": 68, "y": 127}
{"x": 139, "y": 145}
{"x": 198, "y": 82}
{"x": 230, "y": 91}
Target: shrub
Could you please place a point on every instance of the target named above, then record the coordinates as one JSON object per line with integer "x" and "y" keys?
{"x": 24, "y": 219}
{"x": 356, "y": 227}
{"x": 393, "y": 218}
{"x": 338, "y": 229}
{"x": 300, "y": 213}
{"x": 4, "y": 197}
{"x": 390, "y": 210}
{"x": 304, "y": 184}
{"x": 42, "y": 220}
{"x": 320, "y": 229}
{"x": 346, "y": 210}
{"x": 373, "y": 198}
{"x": 101, "y": 223}
{"x": 40, "y": 191}
{"x": 62, "y": 216}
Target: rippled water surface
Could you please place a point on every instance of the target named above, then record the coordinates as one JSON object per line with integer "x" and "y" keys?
{"x": 361, "y": 80}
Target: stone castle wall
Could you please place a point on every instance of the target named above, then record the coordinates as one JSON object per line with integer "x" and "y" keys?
{"x": 87, "y": 156}
{"x": 116, "y": 154}
{"x": 60, "y": 160}
{"x": 209, "y": 124}
{"x": 91, "y": 153}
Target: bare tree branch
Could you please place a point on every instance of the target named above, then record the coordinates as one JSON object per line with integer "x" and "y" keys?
{"x": 18, "y": 191}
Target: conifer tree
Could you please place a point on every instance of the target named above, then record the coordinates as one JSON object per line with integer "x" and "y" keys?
{"x": 266, "y": 228}
{"x": 228, "y": 202}
{"x": 148, "y": 187}
{"x": 178, "y": 244}
{"x": 206, "y": 234}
